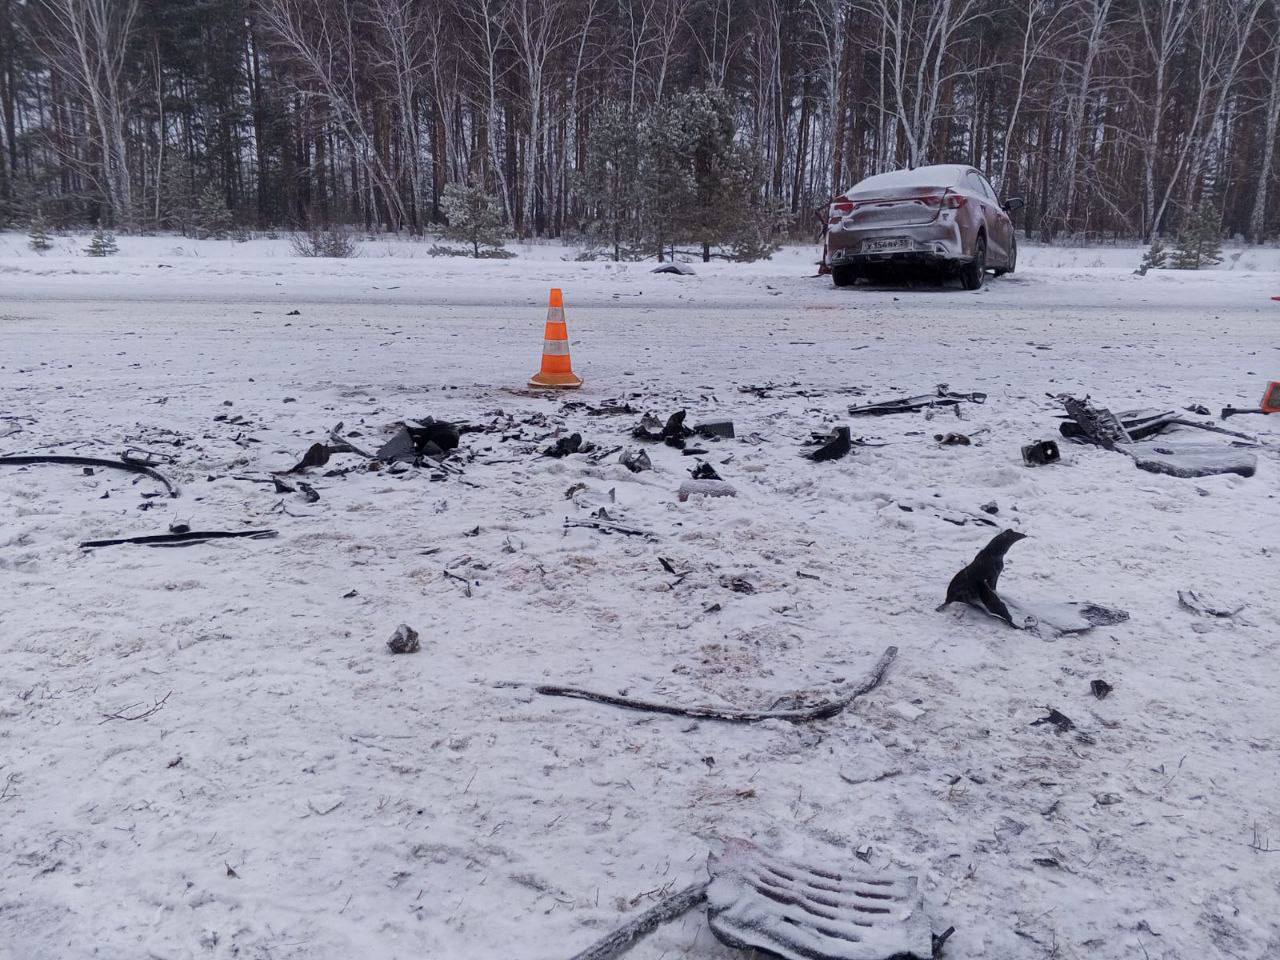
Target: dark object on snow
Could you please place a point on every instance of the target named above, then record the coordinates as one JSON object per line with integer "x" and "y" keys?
{"x": 129, "y": 466}
{"x": 715, "y": 428}
{"x": 1040, "y": 453}
{"x": 941, "y": 398}
{"x": 976, "y": 586}
{"x": 1206, "y": 605}
{"x": 819, "y": 711}
{"x": 1232, "y": 411}
{"x": 309, "y": 492}
{"x": 704, "y": 471}
{"x": 317, "y": 455}
{"x": 976, "y": 583}
{"x": 833, "y": 910}
{"x": 706, "y": 488}
{"x": 1100, "y": 688}
{"x": 838, "y": 445}
{"x": 677, "y": 268}
{"x": 637, "y": 461}
{"x": 1125, "y": 432}
{"x": 420, "y": 438}
{"x": 953, "y": 439}
{"x": 183, "y": 539}
{"x": 1199, "y": 408}
{"x": 281, "y": 487}
{"x": 1096, "y": 424}
{"x": 992, "y": 508}
{"x": 404, "y": 640}
{"x": 1189, "y": 460}
{"x": 567, "y": 445}
{"x": 605, "y": 525}
{"x": 672, "y": 433}
{"x": 1061, "y": 722}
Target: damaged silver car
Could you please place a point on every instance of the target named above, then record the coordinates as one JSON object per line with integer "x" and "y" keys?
{"x": 944, "y": 220}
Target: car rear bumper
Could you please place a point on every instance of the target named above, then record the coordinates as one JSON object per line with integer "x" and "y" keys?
{"x": 932, "y": 243}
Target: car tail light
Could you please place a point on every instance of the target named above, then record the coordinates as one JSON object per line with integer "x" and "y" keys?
{"x": 840, "y": 209}
{"x": 953, "y": 201}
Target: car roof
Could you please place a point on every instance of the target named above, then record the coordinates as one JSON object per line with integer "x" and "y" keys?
{"x": 936, "y": 175}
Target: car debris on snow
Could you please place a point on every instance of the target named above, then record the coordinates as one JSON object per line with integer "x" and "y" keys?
{"x": 705, "y": 488}
{"x": 1208, "y": 606}
{"x": 722, "y": 429}
{"x": 835, "y": 446}
{"x": 975, "y": 585}
{"x": 1040, "y": 453}
{"x": 828, "y": 910}
{"x": 1132, "y": 432}
{"x": 672, "y": 433}
{"x": 404, "y": 640}
{"x": 183, "y": 539}
{"x": 129, "y": 466}
{"x": 824, "y": 708}
{"x": 637, "y": 461}
{"x": 943, "y": 396}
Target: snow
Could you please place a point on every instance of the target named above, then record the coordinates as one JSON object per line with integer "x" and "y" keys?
{"x": 300, "y": 792}
{"x": 935, "y": 175}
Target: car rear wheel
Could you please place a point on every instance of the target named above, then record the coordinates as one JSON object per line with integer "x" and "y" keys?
{"x": 845, "y": 276}
{"x": 974, "y": 273}
{"x": 1013, "y": 259}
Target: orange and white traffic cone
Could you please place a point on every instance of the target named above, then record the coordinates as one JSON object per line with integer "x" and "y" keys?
{"x": 557, "y": 370}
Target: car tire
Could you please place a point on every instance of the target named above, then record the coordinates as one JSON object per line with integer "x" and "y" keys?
{"x": 845, "y": 276}
{"x": 1012, "y": 265}
{"x": 974, "y": 273}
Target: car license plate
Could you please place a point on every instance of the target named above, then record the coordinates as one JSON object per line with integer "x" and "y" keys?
{"x": 887, "y": 245}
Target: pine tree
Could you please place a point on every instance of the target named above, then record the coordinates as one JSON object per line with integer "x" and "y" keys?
{"x": 212, "y": 218}
{"x": 608, "y": 179}
{"x": 665, "y": 185}
{"x": 102, "y": 244}
{"x": 38, "y": 236}
{"x": 698, "y": 181}
{"x": 1155, "y": 258}
{"x": 1200, "y": 240}
{"x": 474, "y": 217}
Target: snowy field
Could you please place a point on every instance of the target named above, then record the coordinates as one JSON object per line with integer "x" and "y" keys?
{"x": 299, "y": 792}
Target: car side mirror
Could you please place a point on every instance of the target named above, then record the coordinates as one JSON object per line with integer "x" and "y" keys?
{"x": 1013, "y": 203}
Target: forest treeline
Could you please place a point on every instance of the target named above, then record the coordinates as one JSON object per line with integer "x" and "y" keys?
{"x": 1112, "y": 118}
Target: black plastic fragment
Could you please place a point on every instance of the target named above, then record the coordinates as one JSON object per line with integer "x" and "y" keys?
{"x": 129, "y": 466}
{"x": 1100, "y": 689}
{"x": 976, "y": 583}
{"x": 704, "y": 471}
{"x": 1060, "y": 721}
{"x": 1040, "y": 453}
{"x": 838, "y": 445}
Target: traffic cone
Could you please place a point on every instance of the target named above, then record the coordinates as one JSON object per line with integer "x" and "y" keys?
{"x": 557, "y": 371}
{"x": 1271, "y": 398}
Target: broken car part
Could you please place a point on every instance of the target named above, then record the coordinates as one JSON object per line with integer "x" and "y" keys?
{"x": 1040, "y": 453}
{"x": 833, "y": 910}
{"x": 715, "y": 428}
{"x": 404, "y": 640}
{"x": 942, "y": 397}
{"x": 976, "y": 584}
{"x": 637, "y": 461}
{"x": 835, "y": 446}
{"x": 129, "y": 466}
{"x": 1133, "y": 433}
{"x": 803, "y": 714}
{"x": 183, "y": 539}
{"x": 706, "y": 488}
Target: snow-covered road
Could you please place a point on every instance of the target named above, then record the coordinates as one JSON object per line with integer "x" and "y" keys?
{"x": 301, "y": 793}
